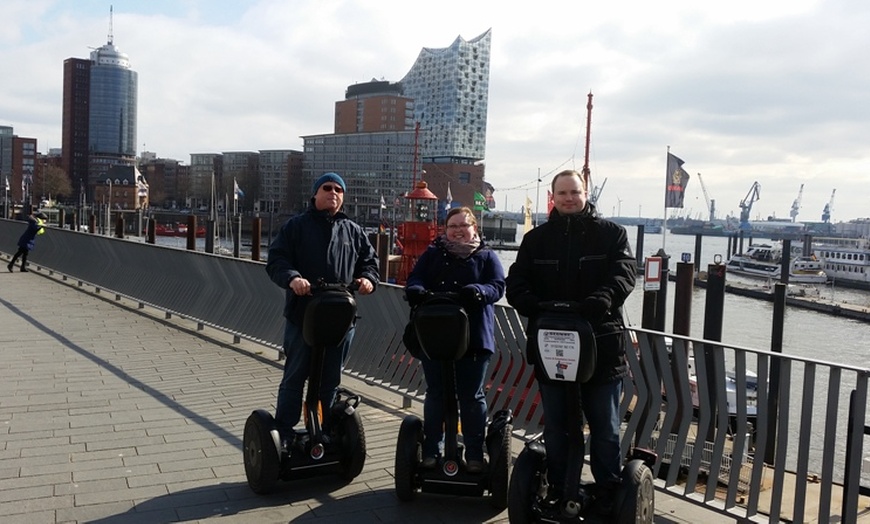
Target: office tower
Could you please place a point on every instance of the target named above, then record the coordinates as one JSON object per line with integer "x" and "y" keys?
{"x": 99, "y": 115}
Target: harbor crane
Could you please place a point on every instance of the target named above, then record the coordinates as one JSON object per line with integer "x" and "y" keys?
{"x": 595, "y": 194}
{"x": 796, "y": 205}
{"x": 711, "y": 204}
{"x": 746, "y": 205}
{"x": 829, "y": 207}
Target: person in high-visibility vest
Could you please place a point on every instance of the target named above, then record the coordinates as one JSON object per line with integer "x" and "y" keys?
{"x": 35, "y": 226}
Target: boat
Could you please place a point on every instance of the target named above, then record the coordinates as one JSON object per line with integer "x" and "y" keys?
{"x": 845, "y": 260}
{"x": 702, "y": 228}
{"x": 765, "y": 261}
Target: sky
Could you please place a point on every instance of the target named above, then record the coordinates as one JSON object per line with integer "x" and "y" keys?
{"x": 743, "y": 91}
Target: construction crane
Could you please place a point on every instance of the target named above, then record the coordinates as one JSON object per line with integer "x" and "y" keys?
{"x": 711, "y": 204}
{"x": 746, "y": 205}
{"x": 796, "y": 205}
{"x": 596, "y": 193}
{"x": 829, "y": 207}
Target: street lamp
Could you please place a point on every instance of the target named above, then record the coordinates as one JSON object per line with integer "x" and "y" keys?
{"x": 109, "y": 209}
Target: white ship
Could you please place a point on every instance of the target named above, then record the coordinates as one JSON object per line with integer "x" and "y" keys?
{"x": 765, "y": 261}
{"x": 845, "y": 260}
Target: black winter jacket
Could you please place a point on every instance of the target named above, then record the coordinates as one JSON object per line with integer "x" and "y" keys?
{"x": 314, "y": 246}
{"x": 580, "y": 258}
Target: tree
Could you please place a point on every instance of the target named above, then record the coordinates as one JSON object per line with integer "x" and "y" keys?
{"x": 53, "y": 182}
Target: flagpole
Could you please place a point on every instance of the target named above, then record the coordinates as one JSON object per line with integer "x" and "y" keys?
{"x": 665, "y": 221}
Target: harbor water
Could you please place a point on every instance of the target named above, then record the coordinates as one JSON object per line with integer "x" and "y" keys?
{"x": 748, "y": 322}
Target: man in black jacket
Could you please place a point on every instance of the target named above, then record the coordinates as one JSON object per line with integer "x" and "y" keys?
{"x": 320, "y": 244}
{"x": 576, "y": 256}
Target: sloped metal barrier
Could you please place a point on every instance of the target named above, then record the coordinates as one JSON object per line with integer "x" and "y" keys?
{"x": 759, "y": 436}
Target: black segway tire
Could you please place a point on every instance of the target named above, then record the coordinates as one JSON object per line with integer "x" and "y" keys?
{"x": 524, "y": 484}
{"x": 500, "y": 471}
{"x": 353, "y": 446}
{"x": 635, "y": 501}
{"x": 262, "y": 464}
{"x": 408, "y": 452}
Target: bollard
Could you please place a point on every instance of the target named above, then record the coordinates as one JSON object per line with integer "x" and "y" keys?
{"x": 662, "y": 298}
{"x": 119, "y": 226}
{"x": 714, "y": 307}
{"x": 209, "y": 235}
{"x": 151, "y": 236}
{"x": 92, "y": 223}
{"x": 639, "y": 250}
{"x": 683, "y": 298}
{"x": 191, "y": 232}
{"x": 61, "y": 218}
{"x": 256, "y": 235}
{"x": 382, "y": 248}
{"x": 699, "y": 239}
{"x": 776, "y": 336}
{"x": 785, "y": 263}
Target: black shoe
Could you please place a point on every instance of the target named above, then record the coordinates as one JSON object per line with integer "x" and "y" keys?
{"x": 9, "y": 267}
{"x": 23, "y": 270}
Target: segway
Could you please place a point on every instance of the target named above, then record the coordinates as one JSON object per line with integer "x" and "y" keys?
{"x": 563, "y": 351}
{"x": 441, "y": 325}
{"x": 269, "y": 455}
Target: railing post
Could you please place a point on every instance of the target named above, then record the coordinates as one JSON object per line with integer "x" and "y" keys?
{"x": 638, "y": 253}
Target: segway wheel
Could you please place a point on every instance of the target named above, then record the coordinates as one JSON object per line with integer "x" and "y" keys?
{"x": 524, "y": 484}
{"x": 262, "y": 464}
{"x": 353, "y": 445}
{"x": 635, "y": 501}
{"x": 409, "y": 448}
{"x": 500, "y": 471}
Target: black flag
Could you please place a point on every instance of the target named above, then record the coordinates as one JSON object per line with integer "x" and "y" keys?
{"x": 675, "y": 184}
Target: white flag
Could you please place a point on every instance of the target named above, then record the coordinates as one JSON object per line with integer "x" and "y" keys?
{"x": 237, "y": 191}
{"x": 449, "y": 197}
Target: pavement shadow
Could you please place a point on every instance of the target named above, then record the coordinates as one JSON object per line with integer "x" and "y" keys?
{"x": 319, "y": 499}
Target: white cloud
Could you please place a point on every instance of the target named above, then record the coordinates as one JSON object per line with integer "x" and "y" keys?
{"x": 741, "y": 91}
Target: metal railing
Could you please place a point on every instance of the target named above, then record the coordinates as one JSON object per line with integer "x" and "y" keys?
{"x": 728, "y": 437}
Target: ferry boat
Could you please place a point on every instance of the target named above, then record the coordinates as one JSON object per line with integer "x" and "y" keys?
{"x": 765, "y": 261}
{"x": 845, "y": 260}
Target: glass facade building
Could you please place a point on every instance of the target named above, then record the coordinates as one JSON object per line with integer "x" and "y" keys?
{"x": 450, "y": 89}
{"x": 113, "y": 102}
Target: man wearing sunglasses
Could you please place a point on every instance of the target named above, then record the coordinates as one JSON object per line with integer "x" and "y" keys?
{"x": 320, "y": 244}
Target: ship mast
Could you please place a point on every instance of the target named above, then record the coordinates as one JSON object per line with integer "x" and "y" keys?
{"x": 587, "y": 176}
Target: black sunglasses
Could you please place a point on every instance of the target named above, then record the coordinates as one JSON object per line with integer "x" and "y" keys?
{"x": 331, "y": 188}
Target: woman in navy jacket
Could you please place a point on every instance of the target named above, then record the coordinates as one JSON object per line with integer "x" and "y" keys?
{"x": 458, "y": 261}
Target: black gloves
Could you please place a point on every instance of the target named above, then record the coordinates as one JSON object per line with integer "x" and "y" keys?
{"x": 470, "y": 296}
{"x": 593, "y": 309}
{"x": 526, "y": 304}
{"x": 415, "y": 295}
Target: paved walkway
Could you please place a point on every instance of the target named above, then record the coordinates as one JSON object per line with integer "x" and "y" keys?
{"x": 112, "y": 413}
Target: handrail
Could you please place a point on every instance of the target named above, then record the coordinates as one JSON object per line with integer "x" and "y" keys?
{"x": 689, "y": 399}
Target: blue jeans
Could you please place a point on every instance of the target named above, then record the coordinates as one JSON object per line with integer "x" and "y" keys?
{"x": 470, "y": 374}
{"x": 296, "y": 370}
{"x": 601, "y": 408}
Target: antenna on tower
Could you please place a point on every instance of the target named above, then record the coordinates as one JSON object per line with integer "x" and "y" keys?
{"x": 111, "y": 37}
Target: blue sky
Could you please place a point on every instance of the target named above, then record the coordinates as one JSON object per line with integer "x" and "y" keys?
{"x": 741, "y": 92}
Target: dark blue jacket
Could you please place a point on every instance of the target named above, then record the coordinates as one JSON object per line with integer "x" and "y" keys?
{"x": 27, "y": 239}
{"x": 438, "y": 270}
{"x": 314, "y": 245}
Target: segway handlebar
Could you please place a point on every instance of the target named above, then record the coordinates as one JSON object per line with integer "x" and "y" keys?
{"x": 563, "y": 306}
{"x": 322, "y": 285}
